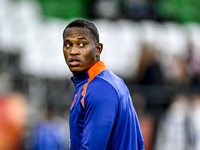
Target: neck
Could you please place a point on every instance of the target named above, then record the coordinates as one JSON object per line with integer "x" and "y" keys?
{"x": 78, "y": 73}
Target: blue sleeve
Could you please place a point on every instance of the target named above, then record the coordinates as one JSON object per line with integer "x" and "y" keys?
{"x": 101, "y": 104}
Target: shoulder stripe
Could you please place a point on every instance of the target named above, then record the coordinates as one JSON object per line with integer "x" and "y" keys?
{"x": 93, "y": 71}
{"x": 74, "y": 100}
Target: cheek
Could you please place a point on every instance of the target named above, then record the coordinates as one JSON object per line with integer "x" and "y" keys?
{"x": 65, "y": 53}
{"x": 66, "y": 56}
{"x": 91, "y": 56}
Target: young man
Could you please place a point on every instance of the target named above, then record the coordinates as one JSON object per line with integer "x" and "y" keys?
{"x": 102, "y": 116}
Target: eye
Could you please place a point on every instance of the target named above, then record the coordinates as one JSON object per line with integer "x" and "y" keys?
{"x": 67, "y": 45}
{"x": 82, "y": 44}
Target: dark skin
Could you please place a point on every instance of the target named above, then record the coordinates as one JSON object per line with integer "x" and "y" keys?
{"x": 80, "y": 49}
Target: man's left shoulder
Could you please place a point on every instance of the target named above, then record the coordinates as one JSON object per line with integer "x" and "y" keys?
{"x": 100, "y": 82}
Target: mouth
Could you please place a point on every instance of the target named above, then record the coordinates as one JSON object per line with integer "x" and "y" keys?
{"x": 74, "y": 62}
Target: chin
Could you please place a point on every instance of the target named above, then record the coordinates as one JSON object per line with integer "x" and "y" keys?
{"x": 76, "y": 70}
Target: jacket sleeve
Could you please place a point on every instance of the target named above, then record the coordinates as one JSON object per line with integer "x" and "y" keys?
{"x": 101, "y": 104}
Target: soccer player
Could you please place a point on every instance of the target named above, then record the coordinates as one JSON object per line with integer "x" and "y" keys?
{"x": 102, "y": 116}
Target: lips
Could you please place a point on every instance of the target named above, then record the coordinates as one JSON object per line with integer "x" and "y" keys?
{"x": 74, "y": 61}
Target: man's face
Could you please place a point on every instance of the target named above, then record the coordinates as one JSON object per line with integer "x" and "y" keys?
{"x": 80, "y": 49}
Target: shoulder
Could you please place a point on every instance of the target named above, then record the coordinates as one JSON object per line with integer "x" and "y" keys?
{"x": 100, "y": 90}
{"x": 101, "y": 85}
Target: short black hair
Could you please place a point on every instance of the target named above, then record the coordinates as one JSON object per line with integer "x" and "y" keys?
{"x": 87, "y": 24}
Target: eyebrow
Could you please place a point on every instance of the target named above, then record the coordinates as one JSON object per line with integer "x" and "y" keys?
{"x": 81, "y": 38}
{"x": 66, "y": 41}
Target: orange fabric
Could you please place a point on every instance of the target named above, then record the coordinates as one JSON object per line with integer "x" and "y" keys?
{"x": 93, "y": 71}
{"x": 73, "y": 101}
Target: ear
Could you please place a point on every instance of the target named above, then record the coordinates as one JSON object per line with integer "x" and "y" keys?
{"x": 99, "y": 48}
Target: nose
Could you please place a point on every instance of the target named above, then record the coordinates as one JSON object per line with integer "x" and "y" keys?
{"x": 74, "y": 51}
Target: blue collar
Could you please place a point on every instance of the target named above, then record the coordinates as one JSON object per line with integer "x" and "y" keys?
{"x": 79, "y": 80}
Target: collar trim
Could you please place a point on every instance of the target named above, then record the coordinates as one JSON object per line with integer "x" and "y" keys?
{"x": 93, "y": 71}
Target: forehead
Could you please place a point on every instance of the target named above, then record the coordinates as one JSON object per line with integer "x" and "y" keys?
{"x": 77, "y": 32}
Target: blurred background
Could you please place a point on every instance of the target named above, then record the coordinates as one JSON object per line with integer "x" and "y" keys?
{"x": 154, "y": 45}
